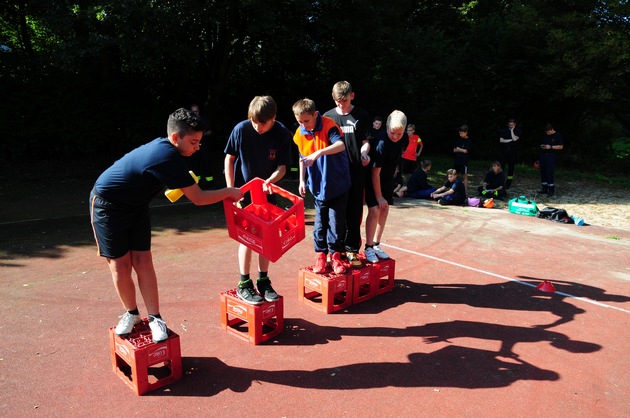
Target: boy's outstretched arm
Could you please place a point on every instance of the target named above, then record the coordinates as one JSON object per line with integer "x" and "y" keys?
{"x": 206, "y": 197}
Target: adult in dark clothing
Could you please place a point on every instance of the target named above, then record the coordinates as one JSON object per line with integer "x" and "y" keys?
{"x": 550, "y": 144}
{"x": 461, "y": 154}
{"x": 508, "y": 138}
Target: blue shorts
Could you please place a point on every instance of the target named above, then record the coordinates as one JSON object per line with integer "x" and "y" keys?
{"x": 118, "y": 230}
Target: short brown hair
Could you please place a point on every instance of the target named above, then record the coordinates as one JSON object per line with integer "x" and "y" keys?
{"x": 304, "y": 105}
{"x": 341, "y": 90}
{"x": 262, "y": 109}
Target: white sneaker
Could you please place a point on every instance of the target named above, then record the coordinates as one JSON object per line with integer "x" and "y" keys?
{"x": 126, "y": 324}
{"x": 159, "y": 331}
{"x": 380, "y": 253}
{"x": 370, "y": 255}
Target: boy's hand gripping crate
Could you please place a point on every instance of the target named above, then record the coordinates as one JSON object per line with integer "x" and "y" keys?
{"x": 264, "y": 227}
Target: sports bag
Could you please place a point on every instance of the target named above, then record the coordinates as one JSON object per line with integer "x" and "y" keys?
{"x": 522, "y": 206}
{"x": 556, "y": 215}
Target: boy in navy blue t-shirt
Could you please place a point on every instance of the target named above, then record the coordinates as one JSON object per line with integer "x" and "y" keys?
{"x": 453, "y": 191}
{"x": 257, "y": 147}
{"x": 119, "y": 212}
{"x": 385, "y": 153}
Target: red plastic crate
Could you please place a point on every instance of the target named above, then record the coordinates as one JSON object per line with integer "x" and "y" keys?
{"x": 383, "y": 276}
{"x": 363, "y": 283}
{"x": 142, "y": 364}
{"x": 327, "y": 292}
{"x": 252, "y": 323}
{"x": 266, "y": 228}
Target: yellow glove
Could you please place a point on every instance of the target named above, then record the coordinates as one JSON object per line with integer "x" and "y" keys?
{"x": 174, "y": 194}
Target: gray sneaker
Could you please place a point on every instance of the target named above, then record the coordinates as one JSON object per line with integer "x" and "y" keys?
{"x": 380, "y": 253}
{"x": 249, "y": 295}
{"x": 126, "y": 324}
{"x": 159, "y": 331}
{"x": 370, "y": 255}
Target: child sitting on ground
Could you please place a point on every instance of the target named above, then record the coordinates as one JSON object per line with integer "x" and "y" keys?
{"x": 494, "y": 183}
{"x": 453, "y": 192}
{"x": 418, "y": 186}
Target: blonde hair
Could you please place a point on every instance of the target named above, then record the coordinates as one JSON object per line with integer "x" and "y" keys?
{"x": 396, "y": 120}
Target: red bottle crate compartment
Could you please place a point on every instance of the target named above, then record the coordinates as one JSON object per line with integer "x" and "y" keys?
{"x": 383, "y": 276}
{"x": 363, "y": 283}
{"x": 252, "y": 323}
{"x": 327, "y": 292}
{"x": 142, "y": 364}
{"x": 264, "y": 227}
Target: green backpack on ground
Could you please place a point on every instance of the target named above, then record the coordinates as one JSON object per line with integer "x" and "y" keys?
{"x": 522, "y": 206}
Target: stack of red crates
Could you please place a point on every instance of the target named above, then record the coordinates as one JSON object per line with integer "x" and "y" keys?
{"x": 329, "y": 292}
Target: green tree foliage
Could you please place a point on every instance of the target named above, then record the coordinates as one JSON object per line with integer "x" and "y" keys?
{"x": 98, "y": 77}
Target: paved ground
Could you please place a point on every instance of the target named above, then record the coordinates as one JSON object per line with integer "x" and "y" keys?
{"x": 464, "y": 332}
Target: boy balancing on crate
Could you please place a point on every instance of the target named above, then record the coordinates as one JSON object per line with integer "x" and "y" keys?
{"x": 323, "y": 156}
{"x": 119, "y": 212}
{"x": 385, "y": 154}
{"x": 258, "y": 147}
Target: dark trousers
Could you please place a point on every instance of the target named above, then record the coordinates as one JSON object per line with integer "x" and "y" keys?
{"x": 508, "y": 161}
{"x": 354, "y": 209}
{"x": 330, "y": 226}
{"x": 547, "y": 163}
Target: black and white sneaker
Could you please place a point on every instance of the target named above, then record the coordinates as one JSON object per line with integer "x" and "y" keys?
{"x": 266, "y": 291}
{"x": 248, "y": 295}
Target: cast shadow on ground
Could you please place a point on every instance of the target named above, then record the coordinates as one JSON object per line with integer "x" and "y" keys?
{"x": 300, "y": 332}
{"x": 578, "y": 290}
{"x": 506, "y": 295}
{"x": 450, "y": 366}
{"x": 51, "y": 238}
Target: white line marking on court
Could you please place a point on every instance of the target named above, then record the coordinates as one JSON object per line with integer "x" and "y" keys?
{"x": 441, "y": 260}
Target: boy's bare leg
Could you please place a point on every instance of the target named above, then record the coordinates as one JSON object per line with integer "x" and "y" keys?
{"x": 120, "y": 269}
{"x": 370, "y": 224}
{"x": 380, "y": 225}
{"x": 263, "y": 263}
{"x": 147, "y": 280}
{"x": 466, "y": 183}
{"x": 244, "y": 259}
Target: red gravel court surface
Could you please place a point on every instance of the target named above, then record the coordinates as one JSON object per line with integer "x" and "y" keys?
{"x": 465, "y": 332}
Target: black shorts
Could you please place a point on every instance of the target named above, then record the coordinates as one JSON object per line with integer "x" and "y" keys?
{"x": 408, "y": 166}
{"x": 118, "y": 230}
{"x": 387, "y": 188}
{"x": 461, "y": 168}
